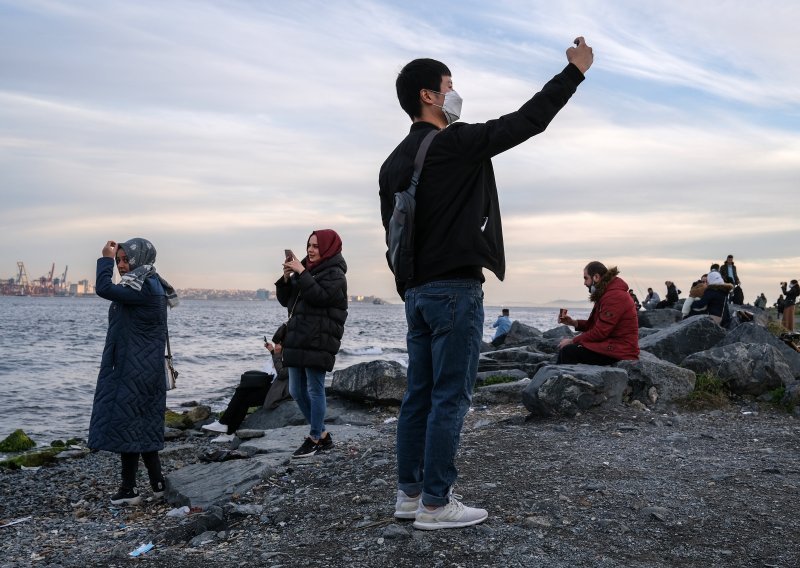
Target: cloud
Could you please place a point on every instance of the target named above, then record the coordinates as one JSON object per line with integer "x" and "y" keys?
{"x": 225, "y": 132}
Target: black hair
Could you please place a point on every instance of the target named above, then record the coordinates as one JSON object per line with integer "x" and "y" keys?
{"x": 505, "y": 311}
{"x": 415, "y": 76}
{"x": 714, "y": 266}
{"x": 596, "y": 267}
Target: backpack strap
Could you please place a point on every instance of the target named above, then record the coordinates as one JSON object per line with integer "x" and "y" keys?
{"x": 419, "y": 161}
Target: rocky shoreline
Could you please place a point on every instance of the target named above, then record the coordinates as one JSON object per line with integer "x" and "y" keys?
{"x": 578, "y": 466}
{"x": 615, "y": 487}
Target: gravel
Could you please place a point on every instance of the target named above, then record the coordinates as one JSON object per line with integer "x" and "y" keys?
{"x": 621, "y": 487}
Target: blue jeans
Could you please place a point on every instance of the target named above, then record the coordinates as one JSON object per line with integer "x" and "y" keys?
{"x": 445, "y": 327}
{"x": 307, "y": 387}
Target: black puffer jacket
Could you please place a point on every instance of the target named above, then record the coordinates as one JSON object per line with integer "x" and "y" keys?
{"x": 316, "y": 327}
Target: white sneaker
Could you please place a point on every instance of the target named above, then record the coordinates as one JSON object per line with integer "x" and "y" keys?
{"x": 215, "y": 427}
{"x": 406, "y": 507}
{"x": 454, "y": 515}
{"x": 223, "y": 438}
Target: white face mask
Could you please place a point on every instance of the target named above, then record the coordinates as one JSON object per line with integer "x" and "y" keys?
{"x": 451, "y": 106}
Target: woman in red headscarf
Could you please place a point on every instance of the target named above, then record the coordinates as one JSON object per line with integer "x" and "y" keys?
{"x": 314, "y": 291}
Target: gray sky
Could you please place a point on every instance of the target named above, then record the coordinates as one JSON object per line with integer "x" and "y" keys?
{"x": 226, "y": 131}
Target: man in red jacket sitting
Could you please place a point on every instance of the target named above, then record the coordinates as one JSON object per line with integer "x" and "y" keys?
{"x": 612, "y": 331}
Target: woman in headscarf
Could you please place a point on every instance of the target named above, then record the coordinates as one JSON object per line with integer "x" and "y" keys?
{"x": 131, "y": 396}
{"x": 314, "y": 291}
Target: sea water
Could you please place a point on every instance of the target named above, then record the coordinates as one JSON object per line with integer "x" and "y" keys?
{"x": 50, "y": 350}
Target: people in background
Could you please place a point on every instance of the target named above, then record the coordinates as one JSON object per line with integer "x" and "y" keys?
{"x": 131, "y": 395}
{"x": 611, "y": 333}
{"x": 728, "y": 272}
{"x": 790, "y": 294}
{"x": 672, "y": 296}
{"x": 651, "y": 300}
{"x": 714, "y": 301}
{"x": 503, "y": 324}
{"x": 314, "y": 291}
{"x": 267, "y": 389}
{"x": 761, "y": 301}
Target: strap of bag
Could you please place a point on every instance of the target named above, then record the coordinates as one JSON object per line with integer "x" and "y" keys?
{"x": 291, "y": 312}
{"x": 419, "y": 161}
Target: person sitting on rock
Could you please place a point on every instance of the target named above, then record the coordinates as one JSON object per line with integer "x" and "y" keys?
{"x": 269, "y": 391}
{"x": 503, "y": 324}
{"x": 761, "y": 302}
{"x": 715, "y": 298}
{"x": 635, "y": 300}
{"x": 695, "y": 293}
{"x": 651, "y": 300}
{"x": 611, "y": 333}
{"x": 672, "y": 296}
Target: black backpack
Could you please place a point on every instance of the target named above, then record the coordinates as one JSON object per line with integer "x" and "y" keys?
{"x": 400, "y": 235}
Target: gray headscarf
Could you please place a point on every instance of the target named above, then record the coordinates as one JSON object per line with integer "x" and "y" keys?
{"x": 141, "y": 258}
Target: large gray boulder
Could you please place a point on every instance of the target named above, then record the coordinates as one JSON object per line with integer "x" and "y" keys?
{"x": 754, "y": 333}
{"x": 518, "y": 355}
{"x": 383, "y": 382}
{"x": 501, "y": 393}
{"x": 659, "y": 318}
{"x": 570, "y": 389}
{"x": 746, "y": 368}
{"x": 559, "y": 333}
{"x": 675, "y": 343}
{"x": 656, "y": 382}
{"x": 521, "y": 334}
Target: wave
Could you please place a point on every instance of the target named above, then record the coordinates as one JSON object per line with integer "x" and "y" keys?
{"x": 371, "y": 350}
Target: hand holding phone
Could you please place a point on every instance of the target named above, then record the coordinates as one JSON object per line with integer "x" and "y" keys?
{"x": 288, "y": 254}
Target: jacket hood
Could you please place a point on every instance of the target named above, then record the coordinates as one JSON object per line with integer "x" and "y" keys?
{"x": 726, "y": 287}
{"x": 604, "y": 284}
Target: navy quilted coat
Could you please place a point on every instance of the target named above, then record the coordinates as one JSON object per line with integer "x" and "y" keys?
{"x": 131, "y": 396}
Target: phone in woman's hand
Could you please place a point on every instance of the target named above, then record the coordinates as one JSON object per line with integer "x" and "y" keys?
{"x": 288, "y": 254}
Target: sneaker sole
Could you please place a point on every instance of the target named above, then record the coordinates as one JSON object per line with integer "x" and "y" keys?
{"x": 133, "y": 501}
{"x": 436, "y": 525}
{"x": 406, "y": 515}
{"x": 304, "y": 456}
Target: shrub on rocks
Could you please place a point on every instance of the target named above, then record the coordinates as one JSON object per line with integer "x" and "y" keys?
{"x": 675, "y": 343}
{"x": 746, "y": 368}
{"x": 17, "y": 441}
{"x": 177, "y": 420}
{"x": 570, "y": 389}
{"x": 654, "y": 381}
{"x": 383, "y": 382}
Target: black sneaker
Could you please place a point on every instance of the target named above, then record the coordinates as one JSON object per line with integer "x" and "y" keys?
{"x": 158, "y": 488}
{"x": 325, "y": 443}
{"x": 126, "y": 497}
{"x": 307, "y": 450}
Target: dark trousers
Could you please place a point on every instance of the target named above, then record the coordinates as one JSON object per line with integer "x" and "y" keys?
{"x": 574, "y": 354}
{"x": 243, "y": 398}
{"x": 130, "y": 464}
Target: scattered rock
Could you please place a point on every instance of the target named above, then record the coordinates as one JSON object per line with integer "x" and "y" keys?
{"x": 383, "y": 382}
{"x": 746, "y": 368}
{"x": 675, "y": 343}
{"x": 570, "y": 389}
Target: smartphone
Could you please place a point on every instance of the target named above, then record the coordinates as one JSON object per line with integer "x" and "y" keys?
{"x": 562, "y": 313}
{"x": 288, "y": 254}
{"x": 265, "y": 339}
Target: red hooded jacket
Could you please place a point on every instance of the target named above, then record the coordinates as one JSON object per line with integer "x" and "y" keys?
{"x": 613, "y": 326}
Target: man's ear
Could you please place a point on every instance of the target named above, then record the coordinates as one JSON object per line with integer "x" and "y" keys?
{"x": 426, "y": 96}
{"x": 596, "y": 278}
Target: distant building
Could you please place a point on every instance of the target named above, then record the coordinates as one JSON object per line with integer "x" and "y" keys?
{"x": 262, "y": 294}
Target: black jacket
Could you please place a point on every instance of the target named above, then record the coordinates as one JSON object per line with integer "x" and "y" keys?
{"x": 723, "y": 270}
{"x": 457, "y": 226}
{"x": 314, "y": 332}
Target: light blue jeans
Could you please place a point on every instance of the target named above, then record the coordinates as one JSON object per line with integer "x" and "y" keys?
{"x": 307, "y": 387}
{"x": 445, "y": 326}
